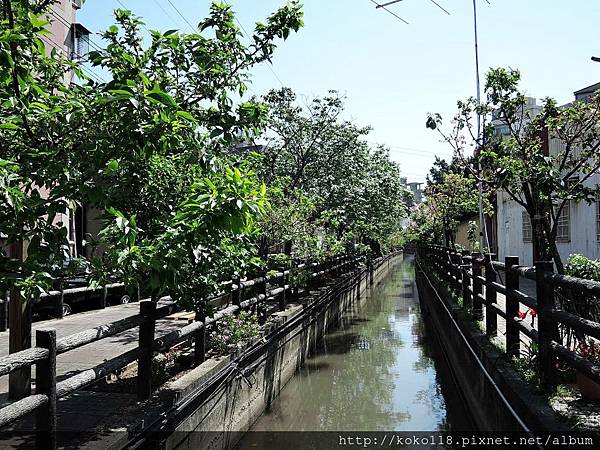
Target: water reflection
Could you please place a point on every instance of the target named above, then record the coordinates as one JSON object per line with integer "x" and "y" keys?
{"x": 375, "y": 373}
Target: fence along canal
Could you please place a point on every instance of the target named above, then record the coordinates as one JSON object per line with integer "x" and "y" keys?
{"x": 267, "y": 292}
{"x": 477, "y": 279}
{"x": 380, "y": 370}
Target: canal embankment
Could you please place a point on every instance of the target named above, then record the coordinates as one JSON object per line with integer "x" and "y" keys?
{"x": 215, "y": 403}
{"x": 499, "y": 400}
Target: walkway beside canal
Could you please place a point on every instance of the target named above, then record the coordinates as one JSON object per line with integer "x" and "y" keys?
{"x": 87, "y": 410}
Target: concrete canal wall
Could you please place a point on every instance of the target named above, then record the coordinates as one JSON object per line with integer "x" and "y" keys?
{"x": 498, "y": 399}
{"x": 198, "y": 420}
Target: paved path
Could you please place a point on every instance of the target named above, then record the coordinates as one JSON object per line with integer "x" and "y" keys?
{"x": 92, "y": 354}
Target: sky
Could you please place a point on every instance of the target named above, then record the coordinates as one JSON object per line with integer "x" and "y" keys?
{"x": 393, "y": 74}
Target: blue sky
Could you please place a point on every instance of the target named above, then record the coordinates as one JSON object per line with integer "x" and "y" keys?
{"x": 394, "y": 74}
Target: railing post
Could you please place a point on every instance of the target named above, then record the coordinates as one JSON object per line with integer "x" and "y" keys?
{"x": 477, "y": 287}
{"x": 456, "y": 260}
{"x": 371, "y": 274}
{"x": 262, "y": 291}
{"x": 103, "y": 302}
{"x": 60, "y": 312}
{"x": 547, "y": 327}
{"x": 466, "y": 283}
{"x": 491, "y": 317}
{"x": 200, "y": 340}
{"x": 236, "y": 294}
{"x": 19, "y": 338}
{"x": 146, "y": 339}
{"x": 4, "y": 311}
{"x": 45, "y": 383}
{"x": 513, "y": 343}
{"x": 282, "y": 296}
{"x": 294, "y": 270}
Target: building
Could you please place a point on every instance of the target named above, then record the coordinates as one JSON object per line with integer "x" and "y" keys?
{"x": 67, "y": 35}
{"x": 417, "y": 190}
{"x": 578, "y": 225}
{"x": 71, "y": 39}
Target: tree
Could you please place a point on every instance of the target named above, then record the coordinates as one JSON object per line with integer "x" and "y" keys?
{"x": 150, "y": 147}
{"x": 194, "y": 204}
{"x": 542, "y": 180}
{"x": 355, "y": 192}
{"x": 451, "y": 201}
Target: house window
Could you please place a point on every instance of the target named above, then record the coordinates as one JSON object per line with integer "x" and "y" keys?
{"x": 80, "y": 45}
{"x": 527, "y": 230}
{"x": 563, "y": 228}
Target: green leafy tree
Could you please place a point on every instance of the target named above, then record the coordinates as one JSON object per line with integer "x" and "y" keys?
{"x": 542, "y": 178}
{"x": 151, "y": 147}
{"x": 355, "y": 192}
{"x": 452, "y": 201}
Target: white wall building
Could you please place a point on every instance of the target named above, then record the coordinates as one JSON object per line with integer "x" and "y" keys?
{"x": 579, "y": 224}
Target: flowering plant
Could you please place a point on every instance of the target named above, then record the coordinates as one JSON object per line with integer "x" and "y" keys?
{"x": 523, "y": 314}
{"x": 589, "y": 350}
{"x": 232, "y": 332}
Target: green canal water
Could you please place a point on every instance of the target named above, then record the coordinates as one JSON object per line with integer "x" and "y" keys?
{"x": 379, "y": 371}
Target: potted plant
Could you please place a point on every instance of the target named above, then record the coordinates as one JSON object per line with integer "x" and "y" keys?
{"x": 590, "y": 389}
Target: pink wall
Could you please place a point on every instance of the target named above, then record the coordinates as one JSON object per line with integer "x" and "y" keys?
{"x": 62, "y": 16}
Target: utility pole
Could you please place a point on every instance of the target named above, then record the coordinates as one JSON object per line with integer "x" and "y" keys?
{"x": 482, "y": 225}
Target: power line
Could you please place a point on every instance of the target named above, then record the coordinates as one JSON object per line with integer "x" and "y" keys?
{"x": 166, "y": 12}
{"x": 439, "y": 6}
{"x": 58, "y": 47}
{"x": 68, "y": 25}
{"x": 183, "y": 17}
{"x": 398, "y": 148}
{"x": 269, "y": 65}
{"x": 417, "y": 154}
{"x": 129, "y": 9}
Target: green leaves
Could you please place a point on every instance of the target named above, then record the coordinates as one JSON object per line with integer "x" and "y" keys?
{"x": 186, "y": 115}
{"x": 161, "y": 97}
{"x": 112, "y": 167}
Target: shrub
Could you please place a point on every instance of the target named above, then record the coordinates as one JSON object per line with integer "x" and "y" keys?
{"x": 582, "y": 267}
{"x": 232, "y": 332}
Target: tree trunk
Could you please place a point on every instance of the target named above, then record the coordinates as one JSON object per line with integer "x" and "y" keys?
{"x": 544, "y": 240}
{"x": 19, "y": 337}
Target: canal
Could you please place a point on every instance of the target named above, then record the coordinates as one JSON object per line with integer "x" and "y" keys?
{"x": 381, "y": 370}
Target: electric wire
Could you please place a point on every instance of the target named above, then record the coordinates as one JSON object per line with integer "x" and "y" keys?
{"x": 64, "y": 21}
{"x": 166, "y": 12}
{"x": 269, "y": 64}
{"x": 192, "y": 28}
{"x": 58, "y": 47}
{"x": 439, "y": 6}
{"x": 129, "y": 9}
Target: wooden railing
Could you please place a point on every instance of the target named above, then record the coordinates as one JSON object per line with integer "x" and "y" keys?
{"x": 238, "y": 295}
{"x": 467, "y": 274}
